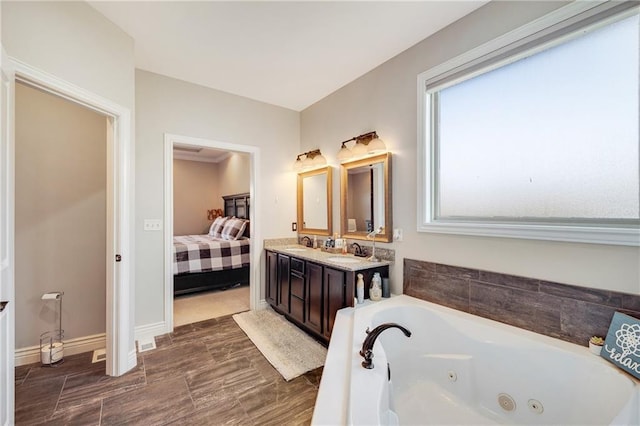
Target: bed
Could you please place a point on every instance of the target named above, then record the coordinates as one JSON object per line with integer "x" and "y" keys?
{"x": 216, "y": 260}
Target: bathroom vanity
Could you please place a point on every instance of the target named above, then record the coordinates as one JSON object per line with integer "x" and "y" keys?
{"x": 309, "y": 286}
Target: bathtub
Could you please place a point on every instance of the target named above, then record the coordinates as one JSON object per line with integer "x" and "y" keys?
{"x": 458, "y": 368}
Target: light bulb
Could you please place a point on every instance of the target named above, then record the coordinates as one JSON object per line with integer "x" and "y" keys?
{"x": 359, "y": 149}
{"x": 375, "y": 146}
{"x": 344, "y": 154}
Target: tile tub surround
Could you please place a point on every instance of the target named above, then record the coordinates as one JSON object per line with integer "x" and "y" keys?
{"x": 563, "y": 311}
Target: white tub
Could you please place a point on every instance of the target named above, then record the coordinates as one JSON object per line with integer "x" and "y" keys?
{"x": 458, "y": 369}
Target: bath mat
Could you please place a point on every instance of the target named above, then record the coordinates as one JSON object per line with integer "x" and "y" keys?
{"x": 290, "y": 350}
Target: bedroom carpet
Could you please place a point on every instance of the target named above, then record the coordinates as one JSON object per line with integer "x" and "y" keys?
{"x": 192, "y": 308}
{"x": 290, "y": 350}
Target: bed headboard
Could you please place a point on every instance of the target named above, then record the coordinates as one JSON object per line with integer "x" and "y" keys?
{"x": 237, "y": 205}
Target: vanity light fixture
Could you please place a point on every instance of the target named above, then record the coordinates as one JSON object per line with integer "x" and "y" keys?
{"x": 308, "y": 160}
{"x": 365, "y": 144}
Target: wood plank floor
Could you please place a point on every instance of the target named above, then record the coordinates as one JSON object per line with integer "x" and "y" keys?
{"x": 206, "y": 373}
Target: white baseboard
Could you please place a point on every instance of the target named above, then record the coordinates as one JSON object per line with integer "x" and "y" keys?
{"x": 78, "y": 345}
{"x": 148, "y": 331}
{"x": 262, "y": 305}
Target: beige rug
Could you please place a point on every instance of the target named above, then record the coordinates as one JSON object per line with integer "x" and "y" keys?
{"x": 290, "y": 350}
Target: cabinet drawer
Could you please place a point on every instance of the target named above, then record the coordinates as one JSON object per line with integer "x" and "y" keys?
{"x": 297, "y": 265}
{"x": 297, "y": 285}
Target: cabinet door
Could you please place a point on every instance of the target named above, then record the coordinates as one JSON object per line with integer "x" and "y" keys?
{"x": 314, "y": 297}
{"x": 296, "y": 303}
{"x": 283, "y": 281}
{"x": 272, "y": 278}
{"x": 335, "y": 297}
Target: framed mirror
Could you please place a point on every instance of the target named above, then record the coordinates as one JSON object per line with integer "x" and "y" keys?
{"x": 314, "y": 202}
{"x": 365, "y": 198}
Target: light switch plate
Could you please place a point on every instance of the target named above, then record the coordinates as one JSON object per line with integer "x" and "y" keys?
{"x": 153, "y": 225}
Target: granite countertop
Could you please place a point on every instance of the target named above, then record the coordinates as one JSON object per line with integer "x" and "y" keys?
{"x": 352, "y": 263}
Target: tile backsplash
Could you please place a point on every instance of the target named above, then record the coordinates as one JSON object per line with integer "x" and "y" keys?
{"x": 567, "y": 312}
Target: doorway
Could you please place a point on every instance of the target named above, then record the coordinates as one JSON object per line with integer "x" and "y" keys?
{"x": 60, "y": 221}
{"x": 210, "y": 185}
{"x": 120, "y": 349}
{"x": 254, "y": 268}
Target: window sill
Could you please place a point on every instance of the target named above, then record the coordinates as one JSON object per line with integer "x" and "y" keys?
{"x": 576, "y": 234}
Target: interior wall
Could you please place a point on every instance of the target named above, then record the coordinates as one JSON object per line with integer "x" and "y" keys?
{"x": 385, "y": 100}
{"x": 74, "y": 42}
{"x": 234, "y": 175}
{"x": 60, "y": 213}
{"x": 166, "y": 105}
{"x": 195, "y": 190}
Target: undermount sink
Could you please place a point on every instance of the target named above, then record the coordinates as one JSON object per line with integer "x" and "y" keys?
{"x": 341, "y": 259}
{"x": 295, "y": 249}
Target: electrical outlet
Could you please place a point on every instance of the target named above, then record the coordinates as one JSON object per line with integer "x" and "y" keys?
{"x": 294, "y": 226}
{"x": 153, "y": 225}
{"x": 397, "y": 234}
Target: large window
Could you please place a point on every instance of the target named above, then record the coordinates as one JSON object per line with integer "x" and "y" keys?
{"x": 538, "y": 138}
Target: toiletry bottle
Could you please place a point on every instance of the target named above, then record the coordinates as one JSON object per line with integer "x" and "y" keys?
{"x": 344, "y": 246}
{"x": 386, "y": 290}
{"x": 360, "y": 289}
{"x": 375, "y": 291}
{"x": 315, "y": 242}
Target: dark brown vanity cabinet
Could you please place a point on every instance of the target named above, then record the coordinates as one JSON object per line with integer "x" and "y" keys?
{"x": 283, "y": 283}
{"x": 309, "y": 293}
{"x": 335, "y": 298}
{"x": 315, "y": 295}
{"x": 297, "y": 289}
{"x": 271, "y": 290}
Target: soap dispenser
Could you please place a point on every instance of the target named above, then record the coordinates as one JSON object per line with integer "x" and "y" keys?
{"x": 375, "y": 291}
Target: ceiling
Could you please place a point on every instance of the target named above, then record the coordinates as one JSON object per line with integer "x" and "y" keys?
{"x": 288, "y": 53}
{"x": 193, "y": 153}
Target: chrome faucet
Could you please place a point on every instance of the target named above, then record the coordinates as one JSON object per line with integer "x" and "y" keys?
{"x": 357, "y": 250}
{"x": 372, "y": 236}
{"x": 308, "y": 243}
{"x": 367, "y": 346}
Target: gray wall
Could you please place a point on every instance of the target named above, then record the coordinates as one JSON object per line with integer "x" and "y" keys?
{"x": 195, "y": 191}
{"x": 385, "y": 100}
{"x": 233, "y": 175}
{"x": 199, "y": 186}
{"x": 61, "y": 182}
{"x": 166, "y": 105}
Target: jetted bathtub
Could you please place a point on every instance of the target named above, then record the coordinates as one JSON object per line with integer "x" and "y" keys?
{"x": 458, "y": 368}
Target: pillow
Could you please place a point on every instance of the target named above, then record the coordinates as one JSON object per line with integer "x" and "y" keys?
{"x": 217, "y": 226}
{"x": 233, "y": 229}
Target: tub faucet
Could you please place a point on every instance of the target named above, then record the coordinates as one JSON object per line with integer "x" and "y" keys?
{"x": 307, "y": 243}
{"x": 367, "y": 345}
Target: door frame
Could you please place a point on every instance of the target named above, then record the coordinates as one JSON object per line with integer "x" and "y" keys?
{"x": 7, "y": 215}
{"x": 120, "y": 347}
{"x": 254, "y": 217}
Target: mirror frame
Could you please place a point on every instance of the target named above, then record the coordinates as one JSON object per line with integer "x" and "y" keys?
{"x": 385, "y": 159}
{"x": 316, "y": 231}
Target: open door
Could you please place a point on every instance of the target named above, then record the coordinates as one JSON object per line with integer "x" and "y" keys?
{"x": 7, "y": 290}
